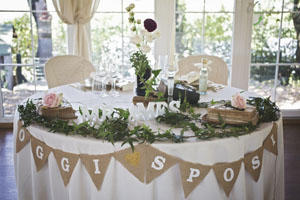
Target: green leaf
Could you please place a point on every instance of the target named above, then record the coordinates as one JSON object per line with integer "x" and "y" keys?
{"x": 220, "y": 118}
{"x": 80, "y": 111}
{"x": 156, "y": 72}
{"x": 212, "y": 102}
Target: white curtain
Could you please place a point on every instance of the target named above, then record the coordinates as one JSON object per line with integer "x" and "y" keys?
{"x": 77, "y": 14}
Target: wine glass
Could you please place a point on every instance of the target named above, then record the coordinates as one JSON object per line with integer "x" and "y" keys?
{"x": 96, "y": 83}
{"x": 102, "y": 75}
{"x": 161, "y": 64}
{"x": 114, "y": 75}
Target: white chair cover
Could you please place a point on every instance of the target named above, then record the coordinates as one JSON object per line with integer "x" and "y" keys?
{"x": 62, "y": 70}
{"x": 218, "y": 74}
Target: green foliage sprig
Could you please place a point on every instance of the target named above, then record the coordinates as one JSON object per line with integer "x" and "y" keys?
{"x": 268, "y": 110}
{"x": 117, "y": 127}
{"x": 140, "y": 63}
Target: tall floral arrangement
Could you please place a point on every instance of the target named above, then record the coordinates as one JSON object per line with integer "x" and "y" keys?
{"x": 143, "y": 34}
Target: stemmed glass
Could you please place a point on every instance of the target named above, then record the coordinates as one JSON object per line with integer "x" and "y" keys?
{"x": 162, "y": 63}
{"x": 114, "y": 75}
{"x": 99, "y": 80}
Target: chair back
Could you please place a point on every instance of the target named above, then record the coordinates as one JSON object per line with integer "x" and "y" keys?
{"x": 218, "y": 74}
{"x": 67, "y": 69}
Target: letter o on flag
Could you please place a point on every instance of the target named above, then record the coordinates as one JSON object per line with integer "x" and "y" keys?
{"x": 22, "y": 135}
{"x": 228, "y": 174}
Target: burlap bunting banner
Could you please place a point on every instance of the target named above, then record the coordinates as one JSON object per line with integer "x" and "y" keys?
{"x": 147, "y": 161}
{"x": 227, "y": 174}
{"x": 40, "y": 152}
{"x": 253, "y": 163}
{"x": 96, "y": 165}
{"x": 22, "y": 137}
{"x": 66, "y": 163}
{"x": 191, "y": 175}
{"x": 157, "y": 163}
{"x": 270, "y": 143}
{"x": 134, "y": 162}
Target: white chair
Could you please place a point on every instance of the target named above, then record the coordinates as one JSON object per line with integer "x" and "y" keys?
{"x": 218, "y": 74}
{"x": 67, "y": 69}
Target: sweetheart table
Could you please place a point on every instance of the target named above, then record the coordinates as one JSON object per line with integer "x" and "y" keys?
{"x": 119, "y": 183}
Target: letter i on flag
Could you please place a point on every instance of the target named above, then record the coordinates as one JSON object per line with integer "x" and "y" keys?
{"x": 271, "y": 141}
{"x": 96, "y": 165}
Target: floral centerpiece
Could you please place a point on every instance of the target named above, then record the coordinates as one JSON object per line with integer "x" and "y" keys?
{"x": 53, "y": 106}
{"x": 143, "y": 34}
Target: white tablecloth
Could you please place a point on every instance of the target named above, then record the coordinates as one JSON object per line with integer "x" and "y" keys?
{"x": 119, "y": 183}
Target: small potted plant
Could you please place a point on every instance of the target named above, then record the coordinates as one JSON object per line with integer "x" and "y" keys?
{"x": 143, "y": 34}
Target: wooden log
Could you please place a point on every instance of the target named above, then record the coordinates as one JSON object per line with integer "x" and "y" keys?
{"x": 141, "y": 99}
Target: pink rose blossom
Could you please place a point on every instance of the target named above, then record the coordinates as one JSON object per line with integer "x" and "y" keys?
{"x": 52, "y": 100}
{"x": 238, "y": 101}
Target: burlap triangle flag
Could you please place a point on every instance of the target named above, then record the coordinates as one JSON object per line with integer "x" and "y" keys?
{"x": 157, "y": 163}
{"x": 96, "y": 165}
{"x": 22, "y": 138}
{"x": 40, "y": 152}
{"x": 253, "y": 162}
{"x": 270, "y": 143}
{"x": 66, "y": 163}
{"x": 227, "y": 174}
{"x": 134, "y": 162}
{"x": 191, "y": 175}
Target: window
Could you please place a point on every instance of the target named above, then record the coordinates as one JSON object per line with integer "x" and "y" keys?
{"x": 204, "y": 27}
{"x": 275, "y": 69}
{"x": 110, "y": 31}
{"x": 36, "y": 34}
{"x": 31, "y": 35}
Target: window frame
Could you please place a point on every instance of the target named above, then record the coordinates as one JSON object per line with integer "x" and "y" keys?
{"x": 242, "y": 25}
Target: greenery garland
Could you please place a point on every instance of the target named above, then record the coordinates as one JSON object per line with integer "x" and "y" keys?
{"x": 117, "y": 127}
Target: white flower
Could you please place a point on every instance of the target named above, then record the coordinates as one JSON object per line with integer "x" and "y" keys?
{"x": 149, "y": 37}
{"x": 131, "y": 5}
{"x": 145, "y": 48}
{"x": 156, "y": 34}
{"x": 144, "y": 32}
{"x": 136, "y": 39}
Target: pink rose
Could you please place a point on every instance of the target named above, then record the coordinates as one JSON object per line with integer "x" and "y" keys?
{"x": 238, "y": 101}
{"x": 52, "y": 100}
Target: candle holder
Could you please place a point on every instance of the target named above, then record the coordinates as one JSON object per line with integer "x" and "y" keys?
{"x": 171, "y": 71}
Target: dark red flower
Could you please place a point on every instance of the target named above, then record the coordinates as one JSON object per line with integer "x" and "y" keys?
{"x": 150, "y": 25}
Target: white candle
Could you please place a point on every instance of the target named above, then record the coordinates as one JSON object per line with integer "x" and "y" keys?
{"x": 172, "y": 46}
